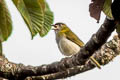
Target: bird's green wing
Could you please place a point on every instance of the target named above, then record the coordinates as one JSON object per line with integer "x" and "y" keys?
{"x": 71, "y": 36}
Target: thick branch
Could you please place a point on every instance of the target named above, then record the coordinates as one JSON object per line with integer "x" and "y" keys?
{"x": 18, "y": 71}
{"x": 104, "y": 55}
{"x": 96, "y": 41}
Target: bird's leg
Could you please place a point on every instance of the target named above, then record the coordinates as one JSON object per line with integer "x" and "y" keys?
{"x": 96, "y": 63}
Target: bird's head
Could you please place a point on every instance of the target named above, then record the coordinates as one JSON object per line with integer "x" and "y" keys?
{"x": 60, "y": 28}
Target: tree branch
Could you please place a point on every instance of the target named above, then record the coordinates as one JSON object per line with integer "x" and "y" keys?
{"x": 96, "y": 41}
{"x": 104, "y": 55}
{"x": 19, "y": 71}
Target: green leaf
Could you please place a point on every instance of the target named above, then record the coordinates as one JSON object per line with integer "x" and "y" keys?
{"x": 34, "y": 13}
{"x": 48, "y": 20}
{"x": 5, "y": 22}
{"x": 107, "y": 8}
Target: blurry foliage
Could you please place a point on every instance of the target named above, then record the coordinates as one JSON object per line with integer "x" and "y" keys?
{"x": 97, "y": 6}
{"x": 36, "y": 14}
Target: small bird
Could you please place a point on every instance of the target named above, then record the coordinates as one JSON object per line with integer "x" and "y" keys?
{"x": 68, "y": 43}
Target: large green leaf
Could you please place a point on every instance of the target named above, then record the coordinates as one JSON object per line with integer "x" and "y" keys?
{"x": 107, "y": 8}
{"x": 34, "y": 13}
{"x": 5, "y": 22}
{"x": 48, "y": 20}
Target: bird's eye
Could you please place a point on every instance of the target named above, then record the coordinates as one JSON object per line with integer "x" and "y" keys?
{"x": 57, "y": 26}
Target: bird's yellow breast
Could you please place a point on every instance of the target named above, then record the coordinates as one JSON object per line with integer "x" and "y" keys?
{"x": 67, "y": 47}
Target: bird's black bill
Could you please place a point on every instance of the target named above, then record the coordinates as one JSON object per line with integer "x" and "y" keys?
{"x": 54, "y": 27}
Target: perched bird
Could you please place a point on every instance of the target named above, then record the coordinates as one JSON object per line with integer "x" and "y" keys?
{"x": 68, "y": 43}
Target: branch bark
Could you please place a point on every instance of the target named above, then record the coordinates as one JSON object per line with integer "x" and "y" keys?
{"x": 104, "y": 55}
{"x": 14, "y": 71}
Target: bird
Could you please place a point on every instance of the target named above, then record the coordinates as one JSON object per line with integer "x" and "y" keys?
{"x": 68, "y": 42}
